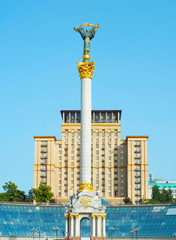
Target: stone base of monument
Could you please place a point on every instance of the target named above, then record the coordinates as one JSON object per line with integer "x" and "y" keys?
{"x": 85, "y": 204}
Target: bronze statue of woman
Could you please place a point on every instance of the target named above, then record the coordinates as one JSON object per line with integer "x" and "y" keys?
{"x": 86, "y": 36}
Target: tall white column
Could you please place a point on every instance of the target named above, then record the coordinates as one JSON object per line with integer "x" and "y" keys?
{"x": 72, "y": 225}
{"x": 77, "y": 228}
{"x": 98, "y": 225}
{"x": 66, "y": 226}
{"x": 86, "y": 130}
{"x": 104, "y": 226}
{"x": 93, "y": 226}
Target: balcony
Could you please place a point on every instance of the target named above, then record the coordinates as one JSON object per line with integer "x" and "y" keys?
{"x": 102, "y": 148}
{"x": 43, "y": 145}
{"x": 137, "y": 170}
{"x": 137, "y": 144}
{"x": 43, "y": 157}
{"x": 78, "y": 154}
{"x": 43, "y": 170}
{"x": 43, "y": 176}
{"x": 65, "y": 172}
{"x": 66, "y": 160}
{"x": 43, "y": 151}
{"x": 43, "y": 163}
{"x": 78, "y": 178}
{"x": 65, "y": 178}
{"x": 78, "y": 172}
{"x": 137, "y": 151}
{"x": 138, "y": 176}
{"x": 103, "y": 190}
{"x": 66, "y": 147}
{"x": 65, "y": 190}
{"x": 66, "y": 154}
{"x": 65, "y": 184}
{"x": 137, "y": 194}
{"x": 78, "y": 160}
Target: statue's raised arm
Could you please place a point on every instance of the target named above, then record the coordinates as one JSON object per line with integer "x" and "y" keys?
{"x": 86, "y": 36}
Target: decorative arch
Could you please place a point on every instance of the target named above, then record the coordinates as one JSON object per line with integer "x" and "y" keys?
{"x": 85, "y": 226}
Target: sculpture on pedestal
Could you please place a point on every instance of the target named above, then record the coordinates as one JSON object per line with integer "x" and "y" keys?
{"x": 87, "y": 36}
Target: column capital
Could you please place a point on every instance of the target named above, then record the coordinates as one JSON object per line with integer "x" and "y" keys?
{"x": 86, "y": 69}
{"x": 71, "y": 216}
{"x": 98, "y": 216}
{"x": 104, "y": 216}
{"x": 93, "y": 216}
{"x": 66, "y": 216}
{"x": 76, "y": 216}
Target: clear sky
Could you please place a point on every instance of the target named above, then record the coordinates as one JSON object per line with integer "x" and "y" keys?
{"x": 135, "y": 59}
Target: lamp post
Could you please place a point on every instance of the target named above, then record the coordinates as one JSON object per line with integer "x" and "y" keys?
{"x": 111, "y": 229}
{"x": 39, "y": 232}
{"x": 136, "y": 230}
{"x": 57, "y": 230}
{"x": 33, "y": 230}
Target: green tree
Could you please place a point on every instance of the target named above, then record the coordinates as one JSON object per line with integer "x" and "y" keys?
{"x": 156, "y": 193}
{"x": 164, "y": 195}
{"x": 12, "y": 193}
{"x": 30, "y": 196}
{"x": 169, "y": 197}
{"x": 43, "y": 193}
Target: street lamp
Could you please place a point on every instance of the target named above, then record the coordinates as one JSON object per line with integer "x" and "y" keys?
{"x": 136, "y": 230}
{"x": 39, "y": 232}
{"x": 57, "y": 230}
{"x": 33, "y": 231}
{"x": 111, "y": 229}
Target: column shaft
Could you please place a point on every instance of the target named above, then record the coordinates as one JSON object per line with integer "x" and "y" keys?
{"x": 72, "y": 227}
{"x": 99, "y": 227}
{"x": 104, "y": 227}
{"x": 85, "y": 130}
{"x": 93, "y": 227}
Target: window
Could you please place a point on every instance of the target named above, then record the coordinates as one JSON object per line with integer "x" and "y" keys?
{"x": 72, "y": 157}
{"x": 97, "y": 134}
{"x": 122, "y": 181}
{"x": 97, "y": 163}
{"x": 97, "y": 157}
{"x": 122, "y": 187}
{"x": 60, "y": 146}
{"x": 121, "y": 163}
{"x": 60, "y": 157}
{"x": 121, "y": 146}
{"x": 72, "y": 175}
{"x": 66, "y": 139}
{"x": 121, "y": 157}
{"x": 122, "y": 194}
{"x": 109, "y": 163}
{"x": 109, "y": 117}
{"x": 122, "y": 170}
{"x": 121, "y": 175}
{"x": 109, "y": 145}
{"x": 97, "y": 119}
{"x": 109, "y": 157}
{"x": 72, "y": 163}
{"x": 60, "y": 151}
{"x": 103, "y": 117}
{"x": 97, "y": 152}
{"x": 115, "y": 140}
{"x": 103, "y": 140}
{"x": 109, "y": 187}
{"x": 97, "y": 146}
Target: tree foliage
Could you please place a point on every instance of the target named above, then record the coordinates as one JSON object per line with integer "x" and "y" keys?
{"x": 164, "y": 196}
{"x": 12, "y": 193}
{"x": 43, "y": 193}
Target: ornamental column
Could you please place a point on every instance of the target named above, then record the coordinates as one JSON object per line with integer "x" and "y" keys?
{"x": 77, "y": 228}
{"x": 104, "y": 225}
{"x": 66, "y": 225}
{"x": 93, "y": 225}
{"x": 98, "y": 225}
{"x": 72, "y": 225}
{"x": 86, "y": 69}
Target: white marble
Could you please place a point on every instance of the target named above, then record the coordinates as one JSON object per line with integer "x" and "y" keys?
{"x": 86, "y": 130}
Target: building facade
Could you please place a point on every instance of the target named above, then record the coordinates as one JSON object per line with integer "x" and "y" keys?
{"x": 119, "y": 167}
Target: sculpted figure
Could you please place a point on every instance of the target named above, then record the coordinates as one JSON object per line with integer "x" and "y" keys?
{"x": 86, "y": 36}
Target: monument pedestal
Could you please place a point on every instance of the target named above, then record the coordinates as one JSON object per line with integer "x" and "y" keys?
{"x": 85, "y": 204}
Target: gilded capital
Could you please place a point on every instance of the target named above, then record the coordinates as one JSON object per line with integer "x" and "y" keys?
{"x": 66, "y": 216}
{"x": 98, "y": 216}
{"x": 86, "y": 69}
{"x": 76, "y": 216}
{"x": 103, "y": 216}
{"x": 93, "y": 216}
{"x": 71, "y": 216}
{"x": 87, "y": 185}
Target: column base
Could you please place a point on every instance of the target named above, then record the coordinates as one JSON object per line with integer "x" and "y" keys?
{"x": 98, "y": 238}
{"x": 72, "y": 238}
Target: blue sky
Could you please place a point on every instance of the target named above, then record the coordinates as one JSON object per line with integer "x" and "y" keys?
{"x": 134, "y": 52}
